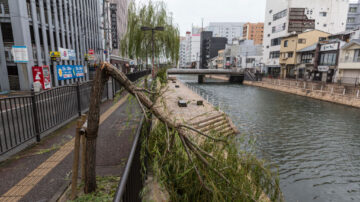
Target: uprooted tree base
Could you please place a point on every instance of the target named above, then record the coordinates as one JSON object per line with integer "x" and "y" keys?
{"x": 211, "y": 171}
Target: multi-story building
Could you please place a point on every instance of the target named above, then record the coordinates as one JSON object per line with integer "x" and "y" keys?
{"x": 190, "y": 50}
{"x": 209, "y": 47}
{"x": 41, "y": 26}
{"x": 228, "y": 30}
{"x": 353, "y": 19}
{"x": 349, "y": 63}
{"x": 244, "y": 54}
{"x": 283, "y": 17}
{"x": 182, "y": 52}
{"x": 254, "y": 31}
{"x": 195, "y": 50}
{"x": 291, "y": 44}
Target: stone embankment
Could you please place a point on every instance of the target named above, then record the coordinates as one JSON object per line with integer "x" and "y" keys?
{"x": 204, "y": 117}
{"x": 346, "y": 95}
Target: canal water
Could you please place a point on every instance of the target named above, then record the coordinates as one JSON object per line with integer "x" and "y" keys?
{"x": 315, "y": 144}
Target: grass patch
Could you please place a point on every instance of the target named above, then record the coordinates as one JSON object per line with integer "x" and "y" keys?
{"x": 105, "y": 191}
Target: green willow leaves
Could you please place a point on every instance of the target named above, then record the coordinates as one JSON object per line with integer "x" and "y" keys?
{"x": 136, "y": 44}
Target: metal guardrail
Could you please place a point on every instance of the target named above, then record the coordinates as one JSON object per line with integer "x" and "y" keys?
{"x": 23, "y": 118}
{"x": 131, "y": 181}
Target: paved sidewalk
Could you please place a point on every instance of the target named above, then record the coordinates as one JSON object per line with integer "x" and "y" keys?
{"x": 41, "y": 173}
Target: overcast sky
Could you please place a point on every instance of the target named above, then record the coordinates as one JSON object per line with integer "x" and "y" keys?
{"x": 188, "y": 12}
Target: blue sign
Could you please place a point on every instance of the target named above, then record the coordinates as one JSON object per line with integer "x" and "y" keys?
{"x": 78, "y": 71}
{"x": 65, "y": 72}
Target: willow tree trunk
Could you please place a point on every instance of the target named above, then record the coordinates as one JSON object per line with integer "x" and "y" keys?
{"x": 92, "y": 130}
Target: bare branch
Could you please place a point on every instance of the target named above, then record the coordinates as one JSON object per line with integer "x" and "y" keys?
{"x": 201, "y": 133}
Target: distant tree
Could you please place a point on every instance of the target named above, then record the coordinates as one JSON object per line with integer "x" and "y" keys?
{"x": 136, "y": 44}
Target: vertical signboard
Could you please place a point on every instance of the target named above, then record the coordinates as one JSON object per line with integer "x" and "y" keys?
{"x": 114, "y": 34}
{"x": 42, "y": 74}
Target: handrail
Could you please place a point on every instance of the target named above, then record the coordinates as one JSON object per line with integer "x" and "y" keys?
{"x": 122, "y": 184}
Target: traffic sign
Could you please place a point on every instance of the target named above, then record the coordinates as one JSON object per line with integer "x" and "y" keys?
{"x": 91, "y": 52}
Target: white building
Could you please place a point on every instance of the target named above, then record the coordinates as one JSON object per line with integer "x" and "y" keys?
{"x": 229, "y": 30}
{"x": 182, "y": 51}
{"x": 190, "y": 50}
{"x": 286, "y": 16}
{"x": 195, "y": 49}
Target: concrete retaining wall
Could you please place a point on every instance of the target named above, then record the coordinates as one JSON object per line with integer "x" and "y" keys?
{"x": 316, "y": 94}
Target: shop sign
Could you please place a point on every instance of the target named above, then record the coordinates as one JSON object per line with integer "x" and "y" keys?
{"x": 55, "y": 54}
{"x": 65, "y": 72}
{"x": 323, "y": 68}
{"x": 329, "y": 47}
{"x": 72, "y": 54}
{"x": 64, "y": 53}
{"x": 41, "y": 74}
{"x": 20, "y": 54}
{"x": 91, "y": 52}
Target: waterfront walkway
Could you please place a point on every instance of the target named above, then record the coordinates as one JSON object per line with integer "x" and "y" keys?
{"x": 43, "y": 172}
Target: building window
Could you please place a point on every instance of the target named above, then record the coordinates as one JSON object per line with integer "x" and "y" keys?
{"x": 323, "y": 14}
{"x": 306, "y": 58}
{"x": 351, "y": 20}
{"x": 302, "y": 41}
{"x": 352, "y": 9}
{"x": 290, "y": 54}
{"x": 356, "y": 55}
{"x": 325, "y": 25}
{"x": 328, "y": 59}
{"x": 286, "y": 43}
{"x": 275, "y": 42}
{"x": 274, "y": 54}
{"x": 280, "y": 15}
{"x": 269, "y": 23}
{"x": 322, "y": 38}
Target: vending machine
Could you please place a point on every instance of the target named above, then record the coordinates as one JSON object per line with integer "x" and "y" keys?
{"x": 42, "y": 74}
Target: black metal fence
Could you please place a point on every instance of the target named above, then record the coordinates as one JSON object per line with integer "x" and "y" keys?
{"x": 131, "y": 181}
{"x": 23, "y": 118}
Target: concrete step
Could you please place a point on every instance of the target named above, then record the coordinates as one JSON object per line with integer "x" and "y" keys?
{"x": 215, "y": 125}
{"x": 211, "y": 122}
{"x": 218, "y": 127}
{"x": 207, "y": 119}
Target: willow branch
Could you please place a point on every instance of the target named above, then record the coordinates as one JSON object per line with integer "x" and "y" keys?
{"x": 192, "y": 162}
{"x": 203, "y": 134}
{"x": 141, "y": 106}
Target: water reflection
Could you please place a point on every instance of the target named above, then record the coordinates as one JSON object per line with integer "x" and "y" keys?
{"x": 315, "y": 144}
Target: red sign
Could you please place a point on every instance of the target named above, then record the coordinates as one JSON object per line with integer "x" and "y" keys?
{"x": 91, "y": 52}
{"x": 42, "y": 75}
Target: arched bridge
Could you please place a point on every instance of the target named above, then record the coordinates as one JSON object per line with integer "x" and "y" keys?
{"x": 234, "y": 76}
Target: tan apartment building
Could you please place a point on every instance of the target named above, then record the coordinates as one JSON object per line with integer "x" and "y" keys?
{"x": 291, "y": 44}
{"x": 254, "y": 31}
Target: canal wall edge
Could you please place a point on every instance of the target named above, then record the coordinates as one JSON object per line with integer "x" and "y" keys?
{"x": 319, "y": 95}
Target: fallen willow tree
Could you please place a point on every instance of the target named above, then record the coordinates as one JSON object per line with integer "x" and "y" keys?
{"x": 222, "y": 173}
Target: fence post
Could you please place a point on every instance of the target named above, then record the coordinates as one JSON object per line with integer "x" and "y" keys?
{"x": 357, "y": 94}
{"x": 78, "y": 97}
{"x": 36, "y": 117}
{"x": 344, "y": 91}
{"x": 332, "y": 90}
{"x": 304, "y": 85}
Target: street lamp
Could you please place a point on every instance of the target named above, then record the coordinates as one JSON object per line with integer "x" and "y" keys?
{"x": 152, "y": 29}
